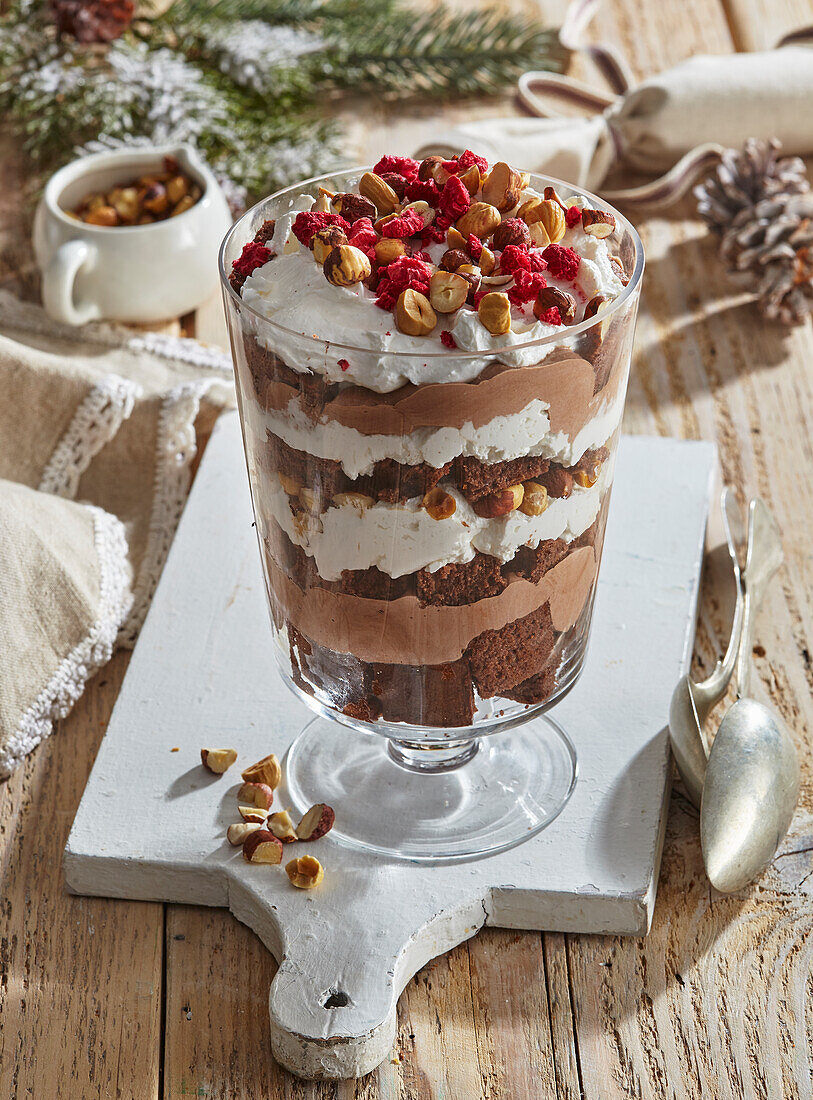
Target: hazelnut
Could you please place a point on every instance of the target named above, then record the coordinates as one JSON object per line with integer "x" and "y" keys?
{"x": 487, "y": 261}
{"x": 236, "y": 834}
{"x": 494, "y": 312}
{"x": 511, "y": 231}
{"x": 587, "y": 470}
{"x": 471, "y": 179}
{"x": 177, "y": 188}
{"x": 503, "y": 186}
{"x": 423, "y": 209}
{"x": 305, "y": 872}
{"x": 289, "y": 484}
{"x": 325, "y": 240}
{"x": 552, "y": 217}
{"x": 551, "y": 193}
{"x": 454, "y": 238}
{"x": 481, "y": 219}
{"x": 155, "y": 198}
{"x": 252, "y": 814}
{"x": 265, "y": 771}
{"x": 559, "y": 482}
{"x": 397, "y": 182}
{"x": 186, "y": 203}
{"x": 539, "y": 235}
{"x": 316, "y": 822}
{"x": 217, "y": 761}
{"x": 447, "y": 291}
{"x": 282, "y": 827}
{"x": 261, "y": 846}
{"x": 322, "y": 204}
{"x": 414, "y": 314}
{"x": 353, "y": 500}
{"x": 585, "y": 478}
{"x": 352, "y": 206}
{"x": 426, "y": 171}
{"x": 453, "y": 258}
{"x": 439, "y": 504}
{"x": 346, "y": 265}
{"x": 534, "y": 499}
{"x": 619, "y": 269}
{"x": 102, "y": 215}
{"x": 259, "y": 795}
{"x": 124, "y": 201}
{"x": 379, "y": 192}
{"x": 389, "y": 249}
{"x": 598, "y": 223}
{"x": 500, "y": 503}
{"x": 550, "y": 296}
{"x": 594, "y": 308}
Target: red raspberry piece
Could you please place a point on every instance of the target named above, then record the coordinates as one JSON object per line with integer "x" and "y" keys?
{"x": 443, "y": 221}
{"x": 526, "y": 287}
{"x": 478, "y": 297}
{"x": 537, "y": 260}
{"x": 309, "y": 222}
{"x": 404, "y": 166}
{"x": 447, "y": 339}
{"x": 362, "y": 234}
{"x": 432, "y": 235}
{"x": 403, "y": 273}
{"x": 467, "y": 159}
{"x": 552, "y": 316}
{"x": 514, "y": 259}
{"x": 474, "y": 246}
{"x": 344, "y": 364}
{"x": 572, "y": 216}
{"x": 454, "y": 199}
{"x": 254, "y": 255}
{"x": 563, "y": 263}
{"x": 423, "y": 191}
{"x": 405, "y": 225}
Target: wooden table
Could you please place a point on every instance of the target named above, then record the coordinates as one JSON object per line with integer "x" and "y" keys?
{"x": 134, "y": 1000}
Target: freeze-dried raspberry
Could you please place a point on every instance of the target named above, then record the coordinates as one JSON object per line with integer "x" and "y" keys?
{"x": 443, "y": 221}
{"x": 552, "y": 316}
{"x": 478, "y": 297}
{"x": 362, "y": 234}
{"x": 423, "y": 191}
{"x": 344, "y": 364}
{"x": 432, "y": 235}
{"x": 526, "y": 287}
{"x": 447, "y": 339}
{"x": 402, "y": 274}
{"x": 474, "y": 247}
{"x": 467, "y": 159}
{"x": 572, "y": 216}
{"x": 405, "y": 225}
{"x": 514, "y": 258}
{"x": 563, "y": 263}
{"x": 427, "y": 259}
{"x": 454, "y": 199}
{"x": 537, "y": 260}
{"x": 404, "y": 166}
{"x": 309, "y": 222}
{"x": 254, "y": 255}
{"x": 397, "y": 182}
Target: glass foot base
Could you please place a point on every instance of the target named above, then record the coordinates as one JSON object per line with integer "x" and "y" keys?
{"x": 478, "y": 797}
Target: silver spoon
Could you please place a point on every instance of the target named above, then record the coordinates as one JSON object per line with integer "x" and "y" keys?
{"x": 752, "y": 776}
{"x": 692, "y": 702}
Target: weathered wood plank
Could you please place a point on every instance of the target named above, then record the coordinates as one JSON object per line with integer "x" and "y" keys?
{"x": 759, "y": 24}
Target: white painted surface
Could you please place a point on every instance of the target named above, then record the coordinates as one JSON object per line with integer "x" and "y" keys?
{"x": 152, "y": 823}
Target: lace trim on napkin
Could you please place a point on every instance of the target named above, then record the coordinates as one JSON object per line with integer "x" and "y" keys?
{"x": 68, "y": 682}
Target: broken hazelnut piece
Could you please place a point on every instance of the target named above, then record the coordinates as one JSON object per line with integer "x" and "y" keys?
{"x": 503, "y": 187}
{"x": 316, "y": 822}
{"x": 379, "y": 192}
{"x": 471, "y": 179}
{"x": 447, "y": 291}
{"x": 455, "y": 239}
{"x": 426, "y": 170}
{"x": 439, "y": 504}
{"x": 481, "y": 219}
{"x": 511, "y": 231}
{"x": 551, "y": 193}
{"x": 325, "y": 240}
{"x": 499, "y": 504}
{"x": 422, "y": 209}
{"x": 487, "y": 261}
{"x": 598, "y": 223}
{"x": 620, "y": 270}
{"x": 539, "y": 235}
{"x": 237, "y": 833}
{"x": 453, "y": 258}
{"x": 217, "y": 761}
{"x": 346, "y": 265}
{"x": 266, "y": 771}
{"x": 305, "y": 872}
{"x": 282, "y": 827}
{"x": 352, "y": 206}
{"x": 256, "y": 794}
{"x": 353, "y": 500}
{"x": 261, "y": 846}
{"x": 494, "y": 312}
{"x": 414, "y": 314}
{"x": 252, "y": 813}
{"x": 388, "y": 250}
{"x": 552, "y": 217}
{"x": 102, "y": 215}
{"x": 534, "y": 499}
{"x": 550, "y": 296}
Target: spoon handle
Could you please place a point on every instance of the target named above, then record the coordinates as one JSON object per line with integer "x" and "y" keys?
{"x": 715, "y": 685}
{"x": 764, "y": 558}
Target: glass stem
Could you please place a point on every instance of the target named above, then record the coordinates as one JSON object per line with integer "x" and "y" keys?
{"x": 417, "y": 757}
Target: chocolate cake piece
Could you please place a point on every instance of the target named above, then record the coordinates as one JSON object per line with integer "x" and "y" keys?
{"x": 424, "y": 695}
{"x": 477, "y": 479}
{"x": 533, "y": 563}
{"x": 501, "y": 659}
{"x": 265, "y": 366}
{"x": 456, "y": 584}
{"x": 372, "y": 584}
{"x": 536, "y": 689}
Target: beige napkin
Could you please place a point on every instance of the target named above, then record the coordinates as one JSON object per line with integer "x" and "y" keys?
{"x": 104, "y": 417}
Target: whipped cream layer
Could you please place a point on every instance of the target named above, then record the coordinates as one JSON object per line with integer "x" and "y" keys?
{"x": 527, "y": 432}
{"x": 310, "y": 315}
{"x": 402, "y": 538}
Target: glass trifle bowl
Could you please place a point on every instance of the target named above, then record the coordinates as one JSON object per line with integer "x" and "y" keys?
{"x": 431, "y": 362}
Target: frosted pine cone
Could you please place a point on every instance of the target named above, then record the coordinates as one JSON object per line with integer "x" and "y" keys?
{"x": 92, "y": 20}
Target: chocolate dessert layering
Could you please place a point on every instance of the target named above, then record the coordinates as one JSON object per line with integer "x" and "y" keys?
{"x": 432, "y": 360}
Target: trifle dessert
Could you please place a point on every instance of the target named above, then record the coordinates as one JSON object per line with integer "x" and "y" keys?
{"x": 432, "y": 360}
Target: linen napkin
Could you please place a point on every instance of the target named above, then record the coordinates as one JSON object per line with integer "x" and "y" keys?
{"x": 97, "y": 437}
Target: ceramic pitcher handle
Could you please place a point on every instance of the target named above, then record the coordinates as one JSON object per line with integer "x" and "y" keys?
{"x": 58, "y": 282}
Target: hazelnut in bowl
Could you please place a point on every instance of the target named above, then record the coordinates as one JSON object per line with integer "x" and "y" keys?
{"x": 129, "y": 235}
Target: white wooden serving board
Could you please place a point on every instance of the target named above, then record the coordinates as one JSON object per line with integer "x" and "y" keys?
{"x": 152, "y": 823}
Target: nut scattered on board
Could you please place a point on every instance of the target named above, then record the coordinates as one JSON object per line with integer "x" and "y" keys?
{"x": 503, "y": 187}
{"x": 494, "y": 312}
{"x": 379, "y": 193}
{"x": 217, "y": 761}
{"x": 253, "y": 814}
{"x": 414, "y": 314}
{"x": 152, "y": 197}
{"x": 447, "y": 291}
{"x": 317, "y": 821}
{"x": 534, "y": 498}
{"x": 261, "y": 846}
{"x": 550, "y": 296}
{"x": 598, "y": 223}
{"x": 266, "y": 771}
{"x": 259, "y": 795}
{"x": 439, "y": 504}
{"x": 346, "y": 265}
{"x": 305, "y": 872}
{"x": 500, "y": 503}
{"x": 237, "y": 833}
{"x": 282, "y": 827}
